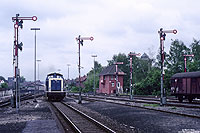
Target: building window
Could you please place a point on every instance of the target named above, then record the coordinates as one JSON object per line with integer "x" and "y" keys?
{"x": 113, "y": 84}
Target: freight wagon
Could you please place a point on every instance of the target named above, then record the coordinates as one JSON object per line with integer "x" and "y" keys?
{"x": 186, "y": 85}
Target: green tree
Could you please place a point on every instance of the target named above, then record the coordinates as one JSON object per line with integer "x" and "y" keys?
{"x": 175, "y": 58}
{"x": 194, "y": 65}
{"x": 22, "y": 79}
{"x": 121, "y": 57}
{"x": 149, "y": 85}
{"x": 4, "y": 85}
{"x": 140, "y": 68}
{"x": 89, "y": 83}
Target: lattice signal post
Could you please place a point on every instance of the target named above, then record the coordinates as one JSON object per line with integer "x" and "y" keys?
{"x": 131, "y": 73}
{"x": 18, "y": 22}
{"x": 80, "y": 39}
{"x": 162, "y": 34}
{"x": 185, "y": 61}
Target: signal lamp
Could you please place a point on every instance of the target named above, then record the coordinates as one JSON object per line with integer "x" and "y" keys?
{"x": 174, "y": 31}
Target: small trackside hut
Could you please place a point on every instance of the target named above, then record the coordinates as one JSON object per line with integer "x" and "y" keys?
{"x": 107, "y": 80}
{"x": 55, "y": 87}
{"x": 186, "y": 85}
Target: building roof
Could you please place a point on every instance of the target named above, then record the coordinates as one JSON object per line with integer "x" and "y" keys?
{"x": 187, "y": 75}
{"x": 145, "y": 57}
{"x": 84, "y": 78}
{"x": 111, "y": 70}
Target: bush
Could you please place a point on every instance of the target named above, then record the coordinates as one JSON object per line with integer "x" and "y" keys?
{"x": 150, "y": 85}
{"x": 4, "y": 85}
{"x": 74, "y": 89}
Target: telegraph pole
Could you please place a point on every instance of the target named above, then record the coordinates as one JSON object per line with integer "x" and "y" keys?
{"x": 35, "y": 29}
{"x": 185, "y": 61}
{"x": 18, "y": 22}
{"x": 162, "y": 34}
{"x": 131, "y": 73}
{"x": 38, "y": 69}
{"x": 94, "y": 75}
{"x": 116, "y": 68}
{"x": 80, "y": 42}
{"x": 38, "y": 75}
{"x": 68, "y": 65}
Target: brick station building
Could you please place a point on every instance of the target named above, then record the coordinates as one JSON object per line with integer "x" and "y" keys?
{"x": 107, "y": 80}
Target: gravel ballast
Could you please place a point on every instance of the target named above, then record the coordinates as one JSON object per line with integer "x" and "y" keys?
{"x": 145, "y": 120}
{"x": 32, "y": 117}
{"x": 113, "y": 124}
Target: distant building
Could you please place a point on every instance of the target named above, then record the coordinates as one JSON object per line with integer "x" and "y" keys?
{"x": 145, "y": 57}
{"x": 107, "y": 80}
{"x": 10, "y": 82}
{"x": 83, "y": 79}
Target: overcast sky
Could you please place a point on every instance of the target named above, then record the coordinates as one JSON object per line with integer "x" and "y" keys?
{"x": 116, "y": 25}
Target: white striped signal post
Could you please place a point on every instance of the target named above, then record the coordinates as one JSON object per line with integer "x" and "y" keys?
{"x": 80, "y": 39}
{"x": 131, "y": 73}
{"x": 18, "y": 22}
{"x": 185, "y": 61}
{"x": 162, "y": 34}
{"x": 116, "y": 68}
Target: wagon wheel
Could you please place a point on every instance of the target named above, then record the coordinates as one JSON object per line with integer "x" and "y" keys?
{"x": 180, "y": 99}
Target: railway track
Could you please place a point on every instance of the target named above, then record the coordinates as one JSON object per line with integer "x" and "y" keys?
{"x": 149, "y": 101}
{"x": 78, "y": 121}
{"x": 4, "y": 103}
{"x": 24, "y": 97}
{"x": 132, "y": 104}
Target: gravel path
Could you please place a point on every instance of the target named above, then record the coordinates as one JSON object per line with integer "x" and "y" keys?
{"x": 32, "y": 117}
{"x": 145, "y": 120}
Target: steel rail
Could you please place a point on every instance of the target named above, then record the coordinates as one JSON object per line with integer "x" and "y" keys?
{"x": 67, "y": 119}
{"x": 126, "y": 104}
{"x": 24, "y": 97}
{"x": 102, "y": 126}
{"x": 151, "y": 101}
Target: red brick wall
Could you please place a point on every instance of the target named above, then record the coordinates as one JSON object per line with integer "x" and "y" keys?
{"x": 105, "y": 86}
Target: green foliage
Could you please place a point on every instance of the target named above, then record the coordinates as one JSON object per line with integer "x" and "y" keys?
{"x": 140, "y": 68}
{"x": 22, "y": 79}
{"x": 194, "y": 65}
{"x": 149, "y": 85}
{"x": 74, "y": 89}
{"x": 148, "y": 82}
{"x": 4, "y": 85}
{"x": 89, "y": 83}
{"x": 121, "y": 57}
{"x": 175, "y": 58}
{"x": 151, "y": 105}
